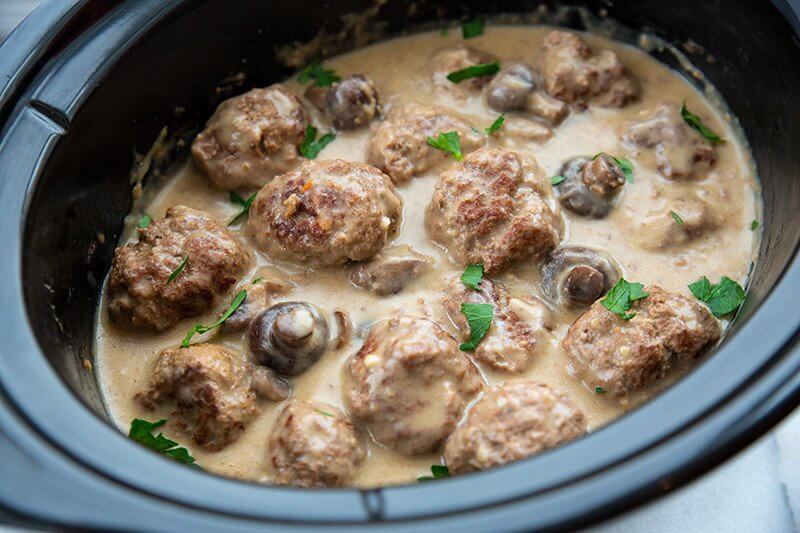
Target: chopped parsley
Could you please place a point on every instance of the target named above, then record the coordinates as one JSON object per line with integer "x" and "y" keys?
{"x": 599, "y": 390}
{"x": 479, "y": 317}
{"x": 472, "y": 276}
{"x": 625, "y": 165}
{"x": 754, "y": 225}
{"x": 496, "y": 125}
{"x": 199, "y": 328}
{"x": 322, "y": 77}
{"x": 177, "y": 272}
{"x": 676, "y": 217}
{"x": 438, "y": 472}
{"x": 475, "y": 71}
{"x": 444, "y": 32}
{"x": 621, "y": 296}
{"x": 142, "y": 432}
{"x": 695, "y": 122}
{"x": 472, "y": 28}
{"x": 257, "y": 280}
{"x": 447, "y": 142}
{"x": 555, "y": 180}
{"x": 722, "y": 298}
{"x": 325, "y": 413}
{"x": 235, "y": 198}
{"x": 144, "y": 221}
{"x": 310, "y": 148}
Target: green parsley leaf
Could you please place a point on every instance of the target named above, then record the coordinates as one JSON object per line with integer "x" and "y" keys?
{"x": 448, "y": 142}
{"x": 142, "y": 432}
{"x": 472, "y": 28}
{"x": 479, "y": 318}
{"x": 235, "y": 198}
{"x": 555, "y": 180}
{"x": 472, "y": 276}
{"x": 144, "y": 221}
{"x": 322, "y": 77}
{"x": 325, "y": 413}
{"x": 620, "y": 297}
{"x": 310, "y": 148}
{"x": 754, "y": 225}
{"x": 496, "y": 125}
{"x": 625, "y": 165}
{"x": 695, "y": 122}
{"x": 199, "y": 328}
{"x": 475, "y": 71}
{"x": 438, "y": 471}
{"x": 599, "y": 390}
{"x": 444, "y": 32}
{"x": 722, "y": 298}
{"x": 257, "y": 280}
{"x": 676, "y": 217}
{"x": 175, "y": 273}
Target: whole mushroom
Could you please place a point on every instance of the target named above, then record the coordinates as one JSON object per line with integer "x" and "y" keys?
{"x": 590, "y": 185}
{"x": 289, "y": 337}
{"x": 578, "y": 276}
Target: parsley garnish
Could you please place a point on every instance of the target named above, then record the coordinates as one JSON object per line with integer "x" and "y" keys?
{"x": 479, "y": 318}
{"x": 624, "y": 164}
{"x": 599, "y": 390}
{"x": 144, "y": 221}
{"x": 257, "y": 280}
{"x": 754, "y": 225}
{"x": 444, "y": 32}
{"x": 448, "y": 142}
{"x": 555, "y": 180}
{"x": 676, "y": 217}
{"x": 322, "y": 77}
{"x": 175, "y": 273}
{"x": 475, "y": 71}
{"x": 325, "y": 413}
{"x": 142, "y": 432}
{"x": 496, "y": 125}
{"x": 619, "y": 298}
{"x": 199, "y": 328}
{"x": 235, "y": 198}
{"x": 695, "y": 122}
{"x": 310, "y": 148}
{"x": 472, "y": 28}
{"x": 438, "y": 471}
{"x": 472, "y": 276}
{"x": 722, "y": 298}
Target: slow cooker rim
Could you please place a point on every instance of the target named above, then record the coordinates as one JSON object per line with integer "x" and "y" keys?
{"x": 25, "y": 116}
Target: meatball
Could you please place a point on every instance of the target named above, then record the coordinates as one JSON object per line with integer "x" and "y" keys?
{"x": 590, "y": 185}
{"x": 251, "y": 138}
{"x": 352, "y": 102}
{"x": 494, "y": 207}
{"x": 313, "y": 445}
{"x": 326, "y": 213}
{"x": 390, "y": 271}
{"x": 140, "y": 294}
{"x": 409, "y": 384}
{"x": 660, "y": 137}
{"x": 514, "y": 88}
{"x": 455, "y": 58}
{"x": 512, "y": 422}
{"x": 399, "y": 145}
{"x": 520, "y": 329}
{"x": 574, "y": 73}
{"x": 657, "y": 230}
{"x": 622, "y": 356}
{"x": 210, "y": 388}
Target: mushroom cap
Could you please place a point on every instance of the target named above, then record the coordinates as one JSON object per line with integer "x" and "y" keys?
{"x": 577, "y": 276}
{"x": 576, "y": 196}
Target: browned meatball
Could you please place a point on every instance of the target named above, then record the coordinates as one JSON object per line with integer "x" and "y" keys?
{"x": 251, "y": 138}
{"x": 138, "y": 293}
{"x": 622, "y": 356}
{"x": 455, "y": 58}
{"x": 512, "y": 422}
{"x": 520, "y": 329}
{"x": 656, "y": 229}
{"x": 352, "y": 102}
{"x": 574, "y": 73}
{"x": 314, "y": 445}
{"x": 661, "y": 137}
{"x": 399, "y": 145}
{"x": 409, "y": 384}
{"x": 494, "y": 207}
{"x": 390, "y": 271}
{"x": 209, "y": 387}
{"x": 326, "y": 213}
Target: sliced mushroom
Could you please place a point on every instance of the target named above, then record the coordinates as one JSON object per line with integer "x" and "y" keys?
{"x": 577, "y": 276}
{"x": 289, "y": 337}
{"x": 390, "y": 271}
{"x": 352, "y": 102}
{"x": 272, "y": 387}
{"x": 510, "y": 88}
{"x": 590, "y": 185}
{"x": 260, "y": 292}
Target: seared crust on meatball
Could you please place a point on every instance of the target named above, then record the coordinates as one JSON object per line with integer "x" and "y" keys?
{"x": 512, "y": 422}
{"x": 326, "y": 213}
{"x": 622, "y": 356}
{"x": 138, "y": 293}
{"x": 209, "y": 387}
{"x": 409, "y": 384}
{"x": 352, "y": 102}
{"x": 451, "y": 59}
{"x": 313, "y": 445}
{"x": 251, "y": 138}
{"x": 519, "y": 331}
{"x": 399, "y": 145}
{"x": 574, "y": 73}
{"x": 494, "y": 207}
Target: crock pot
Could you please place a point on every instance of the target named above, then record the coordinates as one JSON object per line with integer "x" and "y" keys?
{"x": 88, "y": 84}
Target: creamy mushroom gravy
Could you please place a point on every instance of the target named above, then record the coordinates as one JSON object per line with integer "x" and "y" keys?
{"x": 399, "y": 68}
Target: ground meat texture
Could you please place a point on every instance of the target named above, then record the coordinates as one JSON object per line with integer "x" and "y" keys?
{"x": 574, "y": 73}
{"x": 138, "y": 293}
{"x": 520, "y": 329}
{"x": 657, "y": 230}
{"x": 352, "y": 102}
{"x": 209, "y": 387}
{"x": 622, "y": 356}
{"x": 494, "y": 207}
{"x": 399, "y": 147}
{"x": 313, "y": 445}
{"x": 512, "y": 422}
{"x": 663, "y": 140}
{"x": 251, "y": 138}
{"x": 326, "y": 213}
{"x": 409, "y": 384}
{"x": 449, "y": 60}
{"x": 390, "y": 271}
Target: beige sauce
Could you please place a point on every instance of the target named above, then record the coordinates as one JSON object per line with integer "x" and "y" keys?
{"x": 399, "y": 69}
